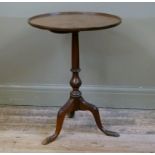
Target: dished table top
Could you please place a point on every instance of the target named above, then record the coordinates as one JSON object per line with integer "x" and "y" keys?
{"x": 64, "y": 22}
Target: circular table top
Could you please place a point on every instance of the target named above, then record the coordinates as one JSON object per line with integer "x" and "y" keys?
{"x": 63, "y": 22}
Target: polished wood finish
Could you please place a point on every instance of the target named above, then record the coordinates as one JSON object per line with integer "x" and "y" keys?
{"x": 64, "y": 22}
{"x": 73, "y": 22}
{"x": 76, "y": 101}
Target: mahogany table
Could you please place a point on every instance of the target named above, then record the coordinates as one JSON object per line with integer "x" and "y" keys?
{"x": 74, "y": 22}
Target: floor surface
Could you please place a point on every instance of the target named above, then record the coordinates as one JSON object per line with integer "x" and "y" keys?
{"x": 22, "y": 128}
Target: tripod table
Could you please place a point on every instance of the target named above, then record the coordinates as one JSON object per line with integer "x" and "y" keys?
{"x": 74, "y": 22}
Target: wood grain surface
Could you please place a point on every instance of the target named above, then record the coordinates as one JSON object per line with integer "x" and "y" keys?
{"x": 22, "y": 128}
{"x": 74, "y": 21}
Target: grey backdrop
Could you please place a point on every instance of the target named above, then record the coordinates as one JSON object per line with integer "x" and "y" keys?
{"x": 117, "y": 64}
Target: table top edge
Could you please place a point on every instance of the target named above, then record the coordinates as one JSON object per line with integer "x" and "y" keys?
{"x": 63, "y": 30}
